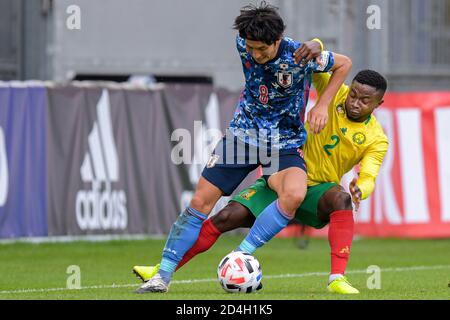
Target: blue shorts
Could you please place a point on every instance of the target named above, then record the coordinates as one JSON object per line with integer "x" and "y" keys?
{"x": 232, "y": 160}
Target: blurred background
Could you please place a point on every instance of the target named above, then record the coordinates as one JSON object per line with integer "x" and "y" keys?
{"x": 193, "y": 41}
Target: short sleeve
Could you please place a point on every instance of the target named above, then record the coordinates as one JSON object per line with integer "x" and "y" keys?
{"x": 327, "y": 58}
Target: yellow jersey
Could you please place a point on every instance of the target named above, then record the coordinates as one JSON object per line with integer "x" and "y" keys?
{"x": 343, "y": 143}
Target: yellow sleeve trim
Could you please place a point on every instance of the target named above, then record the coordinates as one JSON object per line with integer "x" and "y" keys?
{"x": 320, "y": 42}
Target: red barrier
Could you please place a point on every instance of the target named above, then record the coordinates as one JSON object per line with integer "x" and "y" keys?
{"x": 412, "y": 195}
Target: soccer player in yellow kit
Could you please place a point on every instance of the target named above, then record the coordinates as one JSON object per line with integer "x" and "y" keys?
{"x": 352, "y": 136}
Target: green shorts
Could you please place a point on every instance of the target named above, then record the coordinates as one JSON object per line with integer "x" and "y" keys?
{"x": 258, "y": 196}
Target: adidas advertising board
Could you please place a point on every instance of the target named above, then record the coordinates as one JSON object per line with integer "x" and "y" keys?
{"x": 102, "y": 206}
{"x": 88, "y": 182}
{"x": 109, "y": 162}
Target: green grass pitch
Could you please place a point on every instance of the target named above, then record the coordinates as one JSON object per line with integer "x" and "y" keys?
{"x": 410, "y": 269}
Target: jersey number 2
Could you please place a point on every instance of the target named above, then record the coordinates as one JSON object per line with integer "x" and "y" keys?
{"x": 263, "y": 94}
{"x": 327, "y": 147}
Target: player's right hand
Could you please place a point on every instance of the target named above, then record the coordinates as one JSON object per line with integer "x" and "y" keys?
{"x": 317, "y": 118}
{"x": 356, "y": 193}
{"x": 308, "y": 50}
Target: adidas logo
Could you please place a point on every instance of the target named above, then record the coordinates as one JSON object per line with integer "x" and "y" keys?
{"x": 101, "y": 208}
{"x": 3, "y": 170}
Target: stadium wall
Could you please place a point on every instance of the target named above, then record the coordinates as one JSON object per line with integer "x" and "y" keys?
{"x": 100, "y": 159}
{"x": 410, "y": 46}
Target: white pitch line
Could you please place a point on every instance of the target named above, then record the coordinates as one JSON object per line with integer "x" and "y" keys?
{"x": 299, "y": 275}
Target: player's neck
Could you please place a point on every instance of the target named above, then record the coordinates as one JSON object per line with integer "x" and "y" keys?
{"x": 365, "y": 119}
{"x": 277, "y": 48}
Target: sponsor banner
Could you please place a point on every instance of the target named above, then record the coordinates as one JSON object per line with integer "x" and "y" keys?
{"x": 127, "y": 161}
{"x": 90, "y": 137}
{"x": 23, "y": 202}
{"x": 116, "y": 161}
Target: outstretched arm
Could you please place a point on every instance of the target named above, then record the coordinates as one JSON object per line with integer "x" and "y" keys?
{"x": 362, "y": 187}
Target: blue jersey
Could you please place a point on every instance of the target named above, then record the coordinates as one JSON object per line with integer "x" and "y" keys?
{"x": 273, "y": 101}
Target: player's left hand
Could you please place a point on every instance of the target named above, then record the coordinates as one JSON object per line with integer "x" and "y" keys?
{"x": 317, "y": 118}
{"x": 307, "y": 51}
{"x": 356, "y": 193}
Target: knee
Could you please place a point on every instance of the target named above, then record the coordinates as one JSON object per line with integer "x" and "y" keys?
{"x": 292, "y": 198}
{"x": 221, "y": 218}
{"x": 342, "y": 201}
{"x": 199, "y": 204}
{"x": 233, "y": 216}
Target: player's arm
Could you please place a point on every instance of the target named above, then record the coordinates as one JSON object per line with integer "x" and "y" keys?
{"x": 363, "y": 186}
{"x": 318, "y": 116}
{"x": 312, "y": 50}
{"x": 320, "y": 82}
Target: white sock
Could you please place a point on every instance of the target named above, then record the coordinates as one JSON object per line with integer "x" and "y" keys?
{"x": 334, "y": 276}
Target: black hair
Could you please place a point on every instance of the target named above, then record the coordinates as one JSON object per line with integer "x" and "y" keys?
{"x": 372, "y": 78}
{"x": 260, "y": 23}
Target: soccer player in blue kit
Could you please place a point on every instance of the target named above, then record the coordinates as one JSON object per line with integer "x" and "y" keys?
{"x": 267, "y": 129}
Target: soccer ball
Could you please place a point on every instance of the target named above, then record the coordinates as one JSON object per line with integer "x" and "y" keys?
{"x": 239, "y": 272}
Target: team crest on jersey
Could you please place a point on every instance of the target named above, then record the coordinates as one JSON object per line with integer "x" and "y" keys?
{"x": 212, "y": 161}
{"x": 284, "y": 77}
{"x": 249, "y": 194}
{"x": 340, "y": 109}
{"x": 359, "y": 138}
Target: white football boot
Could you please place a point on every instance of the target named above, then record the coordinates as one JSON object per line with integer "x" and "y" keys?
{"x": 155, "y": 284}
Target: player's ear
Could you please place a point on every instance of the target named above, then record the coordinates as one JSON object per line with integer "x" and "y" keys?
{"x": 380, "y": 96}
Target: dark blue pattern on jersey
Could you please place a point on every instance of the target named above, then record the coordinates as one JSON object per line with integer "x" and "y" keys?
{"x": 274, "y": 97}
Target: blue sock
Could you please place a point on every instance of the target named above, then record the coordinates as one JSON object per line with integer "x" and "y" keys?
{"x": 182, "y": 236}
{"x": 266, "y": 226}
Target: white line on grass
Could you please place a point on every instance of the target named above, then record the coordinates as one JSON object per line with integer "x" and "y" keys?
{"x": 299, "y": 275}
